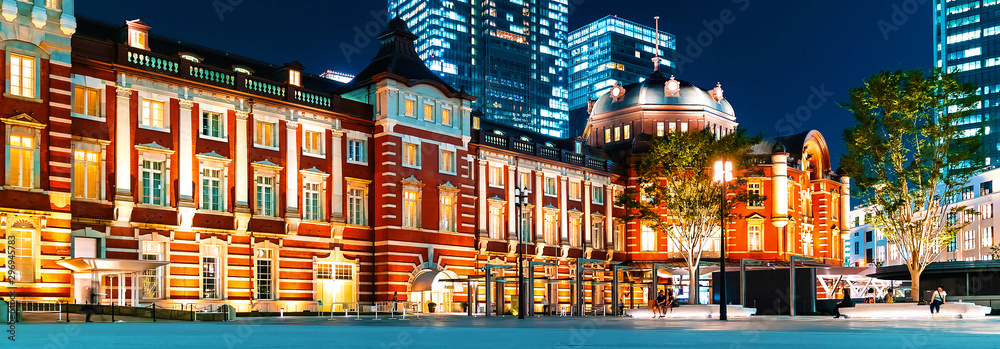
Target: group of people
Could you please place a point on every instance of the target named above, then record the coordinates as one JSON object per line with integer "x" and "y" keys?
{"x": 937, "y": 299}
{"x": 665, "y": 302}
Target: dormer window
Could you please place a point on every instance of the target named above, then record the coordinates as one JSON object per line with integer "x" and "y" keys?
{"x": 191, "y": 58}
{"x": 578, "y": 147}
{"x": 294, "y": 78}
{"x": 525, "y": 138}
{"x": 242, "y": 70}
{"x": 138, "y": 33}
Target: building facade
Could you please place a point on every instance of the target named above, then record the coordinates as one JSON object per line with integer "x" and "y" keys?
{"x": 155, "y": 171}
{"x": 613, "y": 50}
{"x": 511, "y": 54}
{"x": 963, "y": 32}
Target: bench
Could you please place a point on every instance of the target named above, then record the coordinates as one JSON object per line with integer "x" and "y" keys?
{"x": 914, "y": 311}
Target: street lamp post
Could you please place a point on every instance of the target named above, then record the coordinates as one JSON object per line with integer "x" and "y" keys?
{"x": 723, "y": 175}
{"x": 520, "y": 200}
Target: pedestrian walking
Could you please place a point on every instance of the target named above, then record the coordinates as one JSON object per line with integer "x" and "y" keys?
{"x": 939, "y": 297}
{"x": 394, "y": 299}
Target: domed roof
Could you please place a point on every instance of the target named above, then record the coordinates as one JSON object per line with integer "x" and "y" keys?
{"x": 652, "y": 92}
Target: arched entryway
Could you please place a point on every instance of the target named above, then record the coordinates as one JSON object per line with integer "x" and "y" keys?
{"x": 433, "y": 285}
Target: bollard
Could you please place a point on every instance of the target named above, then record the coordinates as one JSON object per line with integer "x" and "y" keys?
{"x": 67, "y": 312}
{"x": 282, "y": 312}
{"x": 193, "y": 319}
{"x": 153, "y": 307}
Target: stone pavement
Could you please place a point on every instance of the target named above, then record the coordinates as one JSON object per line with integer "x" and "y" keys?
{"x": 450, "y": 331}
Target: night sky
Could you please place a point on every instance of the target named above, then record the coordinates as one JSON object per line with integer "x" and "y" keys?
{"x": 773, "y": 58}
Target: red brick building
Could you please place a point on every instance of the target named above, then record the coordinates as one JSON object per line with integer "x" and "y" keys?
{"x": 155, "y": 171}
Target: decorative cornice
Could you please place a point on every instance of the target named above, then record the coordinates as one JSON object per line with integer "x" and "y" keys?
{"x": 123, "y": 92}
{"x": 242, "y": 115}
{"x": 185, "y": 104}
{"x": 23, "y": 120}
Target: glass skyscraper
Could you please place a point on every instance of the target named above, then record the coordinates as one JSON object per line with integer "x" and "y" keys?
{"x": 510, "y": 54}
{"x": 965, "y": 36}
{"x": 610, "y": 50}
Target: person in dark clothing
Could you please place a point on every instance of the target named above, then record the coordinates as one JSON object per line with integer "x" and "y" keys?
{"x": 661, "y": 302}
{"x": 90, "y": 307}
{"x": 671, "y": 301}
{"x": 846, "y": 302}
{"x": 394, "y": 299}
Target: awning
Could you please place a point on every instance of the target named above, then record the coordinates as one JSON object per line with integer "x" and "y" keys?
{"x": 109, "y": 266}
{"x": 425, "y": 281}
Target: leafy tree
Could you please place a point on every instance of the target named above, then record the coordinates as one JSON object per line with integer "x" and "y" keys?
{"x": 675, "y": 195}
{"x": 911, "y": 161}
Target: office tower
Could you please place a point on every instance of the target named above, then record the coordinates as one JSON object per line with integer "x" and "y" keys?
{"x": 613, "y": 49}
{"x": 964, "y": 32}
{"x": 510, "y": 54}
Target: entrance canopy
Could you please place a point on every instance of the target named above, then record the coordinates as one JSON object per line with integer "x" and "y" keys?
{"x": 109, "y": 266}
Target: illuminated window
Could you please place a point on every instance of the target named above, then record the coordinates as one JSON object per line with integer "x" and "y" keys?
{"x": 684, "y": 126}
{"x": 550, "y": 186}
{"x": 597, "y": 238}
{"x": 22, "y": 76}
{"x": 53, "y": 4}
{"x": 551, "y": 228}
{"x": 312, "y": 203}
{"x": 313, "y": 142}
{"x": 648, "y": 239}
{"x": 673, "y": 127}
{"x": 154, "y": 191}
{"x": 213, "y": 124}
{"x": 574, "y": 231}
{"x": 446, "y": 116}
{"x": 137, "y": 39}
{"x": 525, "y": 183}
{"x": 496, "y": 177}
{"x": 86, "y": 101}
{"x": 607, "y": 135}
{"x": 86, "y": 174}
{"x": 985, "y": 211}
{"x": 152, "y": 279}
{"x": 264, "y": 134}
{"x": 429, "y": 112}
{"x": 411, "y": 209}
{"x": 411, "y": 155}
{"x": 410, "y": 107}
{"x": 496, "y": 222}
{"x": 574, "y": 190}
{"x": 754, "y": 237}
{"x": 264, "y": 273}
{"x": 21, "y": 168}
{"x": 211, "y": 189}
{"x": 986, "y": 234}
{"x": 152, "y": 113}
{"x": 448, "y": 213}
{"x": 447, "y": 161}
{"x": 294, "y": 78}
{"x": 969, "y": 239}
{"x": 659, "y": 129}
{"x": 618, "y": 134}
{"x": 211, "y": 272}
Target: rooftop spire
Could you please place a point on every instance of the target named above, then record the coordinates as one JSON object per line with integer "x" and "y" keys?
{"x": 656, "y": 55}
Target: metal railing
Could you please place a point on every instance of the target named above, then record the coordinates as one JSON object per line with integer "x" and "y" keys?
{"x": 29, "y": 306}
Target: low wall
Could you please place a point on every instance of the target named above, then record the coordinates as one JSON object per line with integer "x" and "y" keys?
{"x": 914, "y": 311}
{"x": 701, "y": 311}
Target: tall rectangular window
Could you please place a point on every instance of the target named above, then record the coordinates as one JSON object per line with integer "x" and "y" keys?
{"x": 210, "y": 279}
{"x": 648, "y": 239}
{"x": 154, "y": 192}
{"x": 660, "y": 129}
{"x": 311, "y": 202}
{"x": 264, "y": 276}
{"x": 429, "y": 112}
{"x": 152, "y": 113}
{"x": 22, "y": 161}
{"x": 618, "y": 134}
{"x": 86, "y": 174}
{"x": 496, "y": 222}
{"x": 448, "y": 216}
{"x": 86, "y": 101}
{"x": 294, "y": 78}
{"x": 525, "y": 183}
{"x": 684, "y": 126}
{"x": 24, "y": 254}
{"x": 265, "y": 196}
{"x": 551, "y": 228}
{"x": 672, "y": 127}
{"x": 754, "y": 237}
{"x": 985, "y": 188}
{"x": 356, "y": 207}
{"x": 753, "y": 188}
{"x": 575, "y": 237}
{"x": 447, "y": 161}
{"x": 969, "y": 240}
{"x": 411, "y": 209}
{"x": 152, "y": 279}
{"x": 313, "y": 142}
{"x": 574, "y": 190}
{"x": 985, "y": 211}
{"x": 986, "y": 234}
{"x": 22, "y": 75}
{"x": 526, "y": 225}
{"x": 597, "y": 237}
{"x": 356, "y": 151}
{"x": 411, "y": 155}
{"x": 212, "y": 125}
{"x": 607, "y": 135}
{"x": 410, "y": 108}
{"x": 446, "y": 116}
{"x": 53, "y": 4}
{"x": 211, "y": 189}
{"x": 627, "y": 131}
{"x": 264, "y": 134}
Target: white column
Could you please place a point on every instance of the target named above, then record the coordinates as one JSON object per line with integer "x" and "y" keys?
{"x": 292, "y": 168}
{"x": 563, "y": 224}
{"x": 123, "y": 153}
{"x": 242, "y": 162}
{"x": 588, "y": 230}
{"x": 609, "y": 200}
{"x": 337, "y": 169}
{"x": 539, "y": 222}
{"x": 185, "y": 154}
{"x": 483, "y": 210}
{"x": 511, "y": 199}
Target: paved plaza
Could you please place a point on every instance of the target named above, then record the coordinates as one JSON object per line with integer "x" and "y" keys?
{"x": 450, "y": 331}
